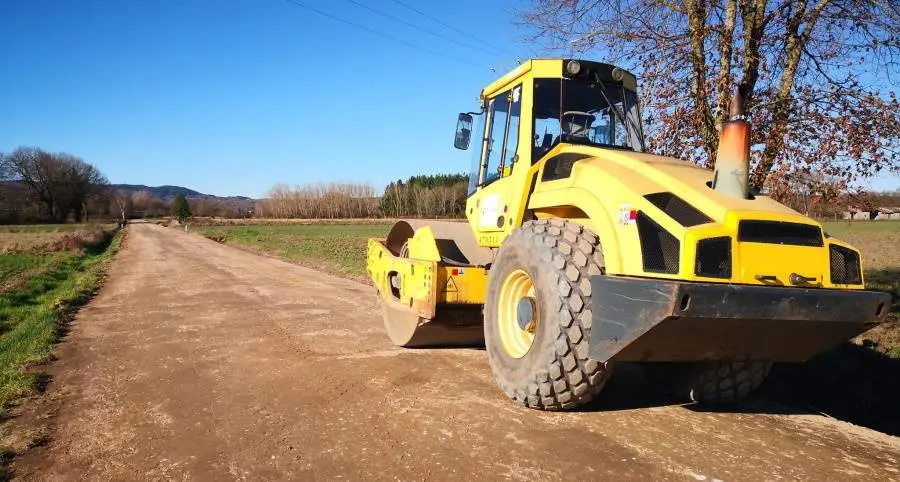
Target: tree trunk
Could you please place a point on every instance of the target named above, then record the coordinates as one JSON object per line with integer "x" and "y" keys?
{"x": 795, "y": 42}
{"x": 696, "y": 10}
{"x": 726, "y": 50}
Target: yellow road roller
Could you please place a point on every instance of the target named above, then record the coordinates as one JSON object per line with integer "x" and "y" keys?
{"x": 581, "y": 250}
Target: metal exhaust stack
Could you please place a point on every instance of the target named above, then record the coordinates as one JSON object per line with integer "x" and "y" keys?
{"x": 731, "y": 175}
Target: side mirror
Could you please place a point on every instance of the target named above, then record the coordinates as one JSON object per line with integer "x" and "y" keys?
{"x": 463, "y": 132}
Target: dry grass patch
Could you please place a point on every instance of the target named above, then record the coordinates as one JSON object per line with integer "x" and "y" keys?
{"x": 49, "y": 237}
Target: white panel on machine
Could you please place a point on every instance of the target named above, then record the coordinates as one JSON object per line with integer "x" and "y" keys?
{"x": 490, "y": 211}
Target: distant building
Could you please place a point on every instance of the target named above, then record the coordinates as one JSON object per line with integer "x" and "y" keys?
{"x": 878, "y": 214}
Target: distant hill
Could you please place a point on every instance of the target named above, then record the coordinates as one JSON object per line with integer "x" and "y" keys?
{"x": 18, "y": 203}
{"x": 167, "y": 193}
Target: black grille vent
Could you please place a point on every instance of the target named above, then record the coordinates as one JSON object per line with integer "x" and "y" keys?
{"x": 844, "y": 265}
{"x": 659, "y": 249}
{"x": 678, "y": 209}
{"x": 777, "y": 232}
{"x": 714, "y": 258}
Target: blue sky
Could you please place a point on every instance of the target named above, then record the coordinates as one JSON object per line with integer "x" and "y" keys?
{"x": 233, "y": 96}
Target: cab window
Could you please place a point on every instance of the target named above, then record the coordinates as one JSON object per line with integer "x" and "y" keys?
{"x": 503, "y": 135}
{"x": 512, "y": 136}
{"x": 478, "y": 140}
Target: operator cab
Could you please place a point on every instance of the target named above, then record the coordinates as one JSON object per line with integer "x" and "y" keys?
{"x": 571, "y": 102}
{"x": 586, "y": 109}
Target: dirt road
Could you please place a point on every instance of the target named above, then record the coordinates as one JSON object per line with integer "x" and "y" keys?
{"x": 199, "y": 361}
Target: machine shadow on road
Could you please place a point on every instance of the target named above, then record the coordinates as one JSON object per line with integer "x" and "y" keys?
{"x": 853, "y": 383}
{"x": 628, "y": 389}
{"x": 850, "y": 383}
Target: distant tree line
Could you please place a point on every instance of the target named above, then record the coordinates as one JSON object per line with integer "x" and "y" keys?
{"x": 145, "y": 204}
{"x": 442, "y": 195}
{"x": 41, "y": 186}
{"x": 319, "y": 201}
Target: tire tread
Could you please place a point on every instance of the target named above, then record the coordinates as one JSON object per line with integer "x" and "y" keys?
{"x": 571, "y": 379}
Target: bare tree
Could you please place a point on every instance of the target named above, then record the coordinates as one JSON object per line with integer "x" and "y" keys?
{"x": 815, "y": 74}
{"x": 35, "y": 168}
{"x": 79, "y": 182}
{"x": 122, "y": 203}
{"x": 61, "y": 182}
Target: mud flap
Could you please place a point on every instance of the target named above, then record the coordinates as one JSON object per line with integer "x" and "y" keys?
{"x": 637, "y": 319}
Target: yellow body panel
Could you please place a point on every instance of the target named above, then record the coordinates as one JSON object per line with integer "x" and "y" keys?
{"x": 416, "y": 278}
{"x": 424, "y": 284}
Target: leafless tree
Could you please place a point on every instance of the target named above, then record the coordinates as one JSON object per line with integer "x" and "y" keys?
{"x": 61, "y": 182}
{"x": 122, "y": 204}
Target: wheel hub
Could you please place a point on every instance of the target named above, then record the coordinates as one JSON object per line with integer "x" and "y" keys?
{"x": 517, "y": 315}
{"x": 525, "y": 314}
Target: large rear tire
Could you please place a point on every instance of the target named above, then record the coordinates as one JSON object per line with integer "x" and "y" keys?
{"x": 709, "y": 382}
{"x": 538, "y": 348}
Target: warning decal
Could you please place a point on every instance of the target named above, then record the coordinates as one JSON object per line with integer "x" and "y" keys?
{"x": 450, "y": 287}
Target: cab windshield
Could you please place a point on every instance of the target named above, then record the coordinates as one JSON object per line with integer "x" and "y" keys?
{"x": 584, "y": 111}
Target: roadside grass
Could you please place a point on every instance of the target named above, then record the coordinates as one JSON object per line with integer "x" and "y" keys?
{"x": 335, "y": 248}
{"x": 18, "y": 267}
{"x": 340, "y": 249}
{"x": 211, "y": 221}
{"x": 840, "y": 228}
{"x": 33, "y": 313}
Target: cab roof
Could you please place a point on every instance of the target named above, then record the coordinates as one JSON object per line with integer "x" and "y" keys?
{"x": 555, "y": 68}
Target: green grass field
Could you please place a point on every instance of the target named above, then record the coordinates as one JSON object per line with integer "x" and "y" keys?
{"x": 38, "y": 292}
{"x": 16, "y": 268}
{"x": 335, "y": 248}
{"x": 878, "y": 240}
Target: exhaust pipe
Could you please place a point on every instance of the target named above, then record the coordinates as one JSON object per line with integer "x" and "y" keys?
{"x": 732, "y": 173}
